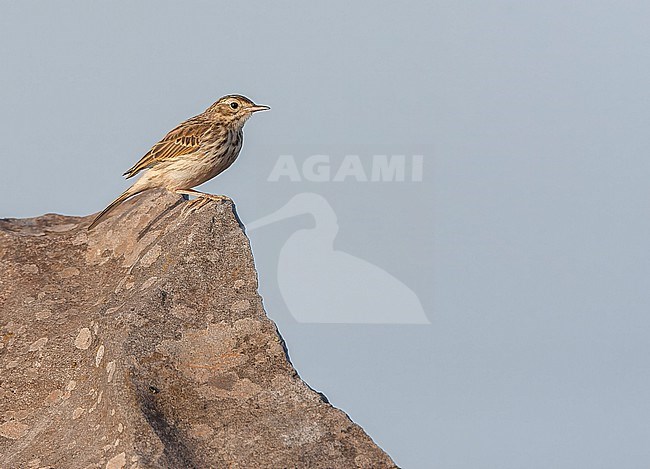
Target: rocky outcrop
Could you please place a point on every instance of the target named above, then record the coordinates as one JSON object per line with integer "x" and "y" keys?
{"x": 144, "y": 343}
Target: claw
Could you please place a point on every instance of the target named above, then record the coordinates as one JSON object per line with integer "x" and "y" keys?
{"x": 199, "y": 202}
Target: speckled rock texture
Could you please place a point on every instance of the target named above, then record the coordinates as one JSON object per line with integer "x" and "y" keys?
{"x": 144, "y": 344}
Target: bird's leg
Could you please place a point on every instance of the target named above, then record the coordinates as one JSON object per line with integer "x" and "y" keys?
{"x": 202, "y": 195}
{"x": 201, "y": 199}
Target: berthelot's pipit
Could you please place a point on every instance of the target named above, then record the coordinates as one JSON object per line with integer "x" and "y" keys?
{"x": 192, "y": 153}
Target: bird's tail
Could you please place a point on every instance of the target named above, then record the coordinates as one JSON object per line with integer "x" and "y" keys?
{"x": 130, "y": 192}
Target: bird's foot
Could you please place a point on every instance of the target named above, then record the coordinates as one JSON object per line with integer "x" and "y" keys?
{"x": 202, "y": 199}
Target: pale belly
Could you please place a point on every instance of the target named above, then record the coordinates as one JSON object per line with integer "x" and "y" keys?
{"x": 190, "y": 170}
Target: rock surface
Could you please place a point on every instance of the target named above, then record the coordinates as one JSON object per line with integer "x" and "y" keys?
{"x": 144, "y": 343}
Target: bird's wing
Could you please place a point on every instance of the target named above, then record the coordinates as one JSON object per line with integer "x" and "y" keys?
{"x": 184, "y": 139}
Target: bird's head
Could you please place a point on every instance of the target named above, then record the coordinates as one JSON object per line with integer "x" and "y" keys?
{"x": 234, "y": 109}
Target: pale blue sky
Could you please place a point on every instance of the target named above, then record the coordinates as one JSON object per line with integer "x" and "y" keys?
{"x": 526, "y": 241}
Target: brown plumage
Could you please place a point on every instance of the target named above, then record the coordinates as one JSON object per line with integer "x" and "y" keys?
{"x": 192, "y": 153}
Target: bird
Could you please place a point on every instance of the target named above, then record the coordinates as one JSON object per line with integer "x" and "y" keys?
{"x": 192, "y": 153}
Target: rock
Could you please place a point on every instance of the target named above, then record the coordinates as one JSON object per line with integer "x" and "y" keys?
{"x": 144, "y": 343}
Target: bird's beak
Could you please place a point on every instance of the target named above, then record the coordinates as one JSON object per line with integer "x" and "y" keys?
{"x": 256, "y": 108}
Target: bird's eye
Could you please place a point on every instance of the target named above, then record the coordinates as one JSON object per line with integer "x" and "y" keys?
{"x": 234, "y": 105}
